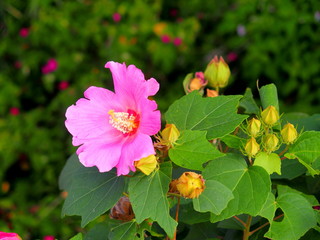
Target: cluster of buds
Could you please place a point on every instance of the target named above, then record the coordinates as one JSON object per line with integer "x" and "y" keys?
{"x": 262, "y": 136}
{"x": 188, "y": 185}
{"x": 216, "y": 75}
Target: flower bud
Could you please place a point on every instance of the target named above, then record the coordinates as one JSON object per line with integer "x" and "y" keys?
{"x": 217, "y": 73}
{"x": 271, "y": 142}
{"x": 252, "y": 147}
{"x": 190, "y": 185}
{"x": 212, "y": 93}
{"x": 270, "y": 115}
{"x": 197, "y": 82}
{"x": 170, "y": 134}
{"x": 289, "y": 133}
{"x": 147, "y": 164}
{"x": 254, "y": 126}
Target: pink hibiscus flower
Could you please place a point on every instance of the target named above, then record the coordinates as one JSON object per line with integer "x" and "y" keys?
{"x": 9, "y": 236}
{"x": 113, "y": 129}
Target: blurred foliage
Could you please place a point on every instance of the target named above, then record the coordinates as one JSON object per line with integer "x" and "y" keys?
{"x": 273, "y": 41}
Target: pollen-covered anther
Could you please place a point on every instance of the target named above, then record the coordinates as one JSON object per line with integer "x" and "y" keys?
{"x": 125, "y": 122}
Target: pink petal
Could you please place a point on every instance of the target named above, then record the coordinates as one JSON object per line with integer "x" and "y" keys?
{"x": 89, "y": 117}
{"x": 152, "y": 87}
{"x": 132, "y": 150}
{"x": 97, "y": 153}
{"x": 150, "y": 120}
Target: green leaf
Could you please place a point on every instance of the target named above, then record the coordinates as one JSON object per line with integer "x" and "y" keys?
{"x": 299, "y": 217}
{"x": 192, "y": 149}
{"x": 270, "y": 162}
{"x": 233, "y": 141}
{"x": 90, "y": 193}
{"x": 148, "y": 196}
{"x": 249, "y": 185}
{"x": 124, "y": 231}
{"x": 72, "y": 166}
{"x": 205, "y": 230}
{"x": 188, "y": 215}
{"x": 269, "y": 96}
{"x": 282, "y": 189}
{"x": 101, "y": 230}
{"x": 218, "y": 116}
{"x": 306, "y": 149}
{"x": 248, "y": 103}
{"x": 290, "y": 169}
{"x": 214, "y": 198}
{"x": 269, "y": 208}
{"x": 77, "y": 237}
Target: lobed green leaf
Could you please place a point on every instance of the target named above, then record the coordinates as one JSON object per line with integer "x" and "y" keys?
{"x": 306, "y": 149}
{"x": 192, "y": 150}
{"x": 218, "y": 116}
{"x": 148, "y": 196}
{"x": 250, "y": 186}
{"x": 90, "y": 193}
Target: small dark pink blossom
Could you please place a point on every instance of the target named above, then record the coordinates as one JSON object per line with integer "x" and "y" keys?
{"x": 316, "y": 207}
{"x": 24, "y": 32}
{"x": 232, "y": 56}
{"x": 17, "y": 64}
{"x": 116, "y": 17}
{"x": 241, "y": 30}
{"x": 177, "y": 41}
{"x": 165, "y": 38}
{"x": 49, "y": 237}
{"x": 14, "y": 111}
{"x": 317, "y": 16}
{"x": 50, "y": 66}
{"x": 63, "y": 85}
{"x": 173, "y": 12}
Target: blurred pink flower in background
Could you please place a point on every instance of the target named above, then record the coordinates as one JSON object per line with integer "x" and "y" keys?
{"x": 165, "y": 38}
{"x": 50, "y": 66}
{"x": 9, "y": 236}
{"x": 116, "y": 17}
{"x": 17, "y": 64}
{"x": 232, "y": 56}
{"x": 113, "y": 129}
{"x": 317, "y": 16}
{"x": 63, "y": 85}
{"x": 14, "y": 111}
{"x": 241, "y": 30}
{"x": 177, "y": 41}
{"x": 24, "y": 32}
{"x": 49, "y": 237}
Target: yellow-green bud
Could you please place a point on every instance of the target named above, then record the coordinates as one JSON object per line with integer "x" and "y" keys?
{"x": 170, "y": 134}
{"x": 252, "y": 147}
{"x": 217, "y": 73}
{"x": 270, "y": 115}
{"x": 147, "y": 164}
{"x": 271, "y": 142}
{"x": 190, "y": 185}
{"x": 254, "y": 126}
{"x": 289, "y": 133}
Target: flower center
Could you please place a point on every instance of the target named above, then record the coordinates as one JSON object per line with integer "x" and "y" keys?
{"x": 125, "y": 122}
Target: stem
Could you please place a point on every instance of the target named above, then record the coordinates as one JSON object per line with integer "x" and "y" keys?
{"x": 265, "y": 224}
{"x": 239, "y": 220}
{"x": 250, "y": 161}
{"x": 283, "y": 151}
{"x": 246, "y": 232}
{"x": 177, "y": 218}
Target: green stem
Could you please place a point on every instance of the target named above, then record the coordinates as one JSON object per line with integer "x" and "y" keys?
{"x": 246, "y": 231}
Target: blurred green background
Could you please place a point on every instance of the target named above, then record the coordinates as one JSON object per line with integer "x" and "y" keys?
{"x": 52, "y": 50}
